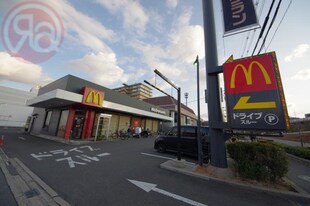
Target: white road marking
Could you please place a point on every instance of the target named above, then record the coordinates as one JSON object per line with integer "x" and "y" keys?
{"x": 158, "y": 156}
{"x": 103, "y": 154}
{"x": 163, "y": 157}
{"x": 22, "y": 138}
{"x": 152, "y": 187}
{"x": 304, "y": 177}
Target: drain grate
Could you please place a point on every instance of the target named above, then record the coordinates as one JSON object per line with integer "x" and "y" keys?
{"x": 31, "y": 193}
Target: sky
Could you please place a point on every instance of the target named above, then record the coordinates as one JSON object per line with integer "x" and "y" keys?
{"x": 123, "y": 41}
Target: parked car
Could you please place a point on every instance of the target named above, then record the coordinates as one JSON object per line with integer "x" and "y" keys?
{"x": 189, "y": 144}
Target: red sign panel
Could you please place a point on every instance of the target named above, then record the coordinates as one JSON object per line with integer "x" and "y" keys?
{"x": 136, "y": 122}
{"x": 250, "y": 75}
{"x": 92, "y": 97}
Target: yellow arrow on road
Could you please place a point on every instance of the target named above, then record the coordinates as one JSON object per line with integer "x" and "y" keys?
{"x": 244, "y": 104}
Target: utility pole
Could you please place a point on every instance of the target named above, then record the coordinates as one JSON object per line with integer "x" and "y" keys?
{"x": 216, "y": 131}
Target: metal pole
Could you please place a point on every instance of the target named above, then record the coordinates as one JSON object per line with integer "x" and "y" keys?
{"x": 216, "y": 133}
{"x": 199, "y": 142}
{"x": 179, "y": 123}
{"x": 179, "y": 109}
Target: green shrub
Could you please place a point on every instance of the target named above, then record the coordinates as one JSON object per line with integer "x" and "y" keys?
{"x": 298, "y": 151}
{"x": 302, "y": 152}
{"x": 258, "y": 161}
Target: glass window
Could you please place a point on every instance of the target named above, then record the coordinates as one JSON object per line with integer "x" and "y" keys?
{"x": 189, "y": 131}
{"x": 93, "y": 133}
{"x": 62, "y": 123}
{"x": 149, "y": 125}
{"x": 114, "y": 124}
{"x": 155, "y": 126}
{"x": 47, "y": 119}
{"x": 124, "y": 123}
{"x": 173, "y": 132}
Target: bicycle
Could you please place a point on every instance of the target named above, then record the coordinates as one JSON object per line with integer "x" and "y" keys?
{"x": 115, "y": 135}
{"x": 124, "y": 135}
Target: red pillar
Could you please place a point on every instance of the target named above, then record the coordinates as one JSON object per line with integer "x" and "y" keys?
{"x": 88, "y": 124}
{"x": 69, "y": 123}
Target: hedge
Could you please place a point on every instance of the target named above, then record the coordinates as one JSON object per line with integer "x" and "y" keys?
{"x": 302, "y": 152}
{"x": 258, "y": 161}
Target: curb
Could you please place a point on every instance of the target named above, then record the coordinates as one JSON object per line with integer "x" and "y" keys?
{"x": 296, "y": 187}
{"x": 61, "y": 140}
{"x": 27, "y": 188}
{"x": 188, "y": 169}
{"x": 301, "y": 160}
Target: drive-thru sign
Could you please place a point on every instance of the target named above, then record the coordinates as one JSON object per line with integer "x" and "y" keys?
{"x": 254, "y": 94}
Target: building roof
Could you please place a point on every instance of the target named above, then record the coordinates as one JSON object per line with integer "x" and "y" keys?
{"x": 170, "y": 103}
{"x": 67, "y": 91}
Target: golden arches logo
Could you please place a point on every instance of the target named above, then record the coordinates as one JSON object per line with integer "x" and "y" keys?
{"x": 94, "y": 97}
{"x": 248, "y": 74}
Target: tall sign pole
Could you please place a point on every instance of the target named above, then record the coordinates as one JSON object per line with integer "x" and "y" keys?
{"x": 216, "y": 132}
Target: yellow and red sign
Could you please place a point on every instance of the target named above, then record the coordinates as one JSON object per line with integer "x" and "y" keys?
{"x": 92, "y": 97}
{"x": 254, "y": 93}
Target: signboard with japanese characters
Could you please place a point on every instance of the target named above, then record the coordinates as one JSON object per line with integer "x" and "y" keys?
{"x": 239, "y": 16}
{"x": 254, "y": 94}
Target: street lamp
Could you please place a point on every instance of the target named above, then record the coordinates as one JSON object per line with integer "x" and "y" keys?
{"x": 179, "y": 109}
{"x": 186, "y": 96}
{"x": 200, "y": 152}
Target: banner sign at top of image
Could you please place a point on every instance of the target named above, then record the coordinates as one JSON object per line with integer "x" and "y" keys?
{"x": 239, "y": 15}
{"x": 254, "y": 94}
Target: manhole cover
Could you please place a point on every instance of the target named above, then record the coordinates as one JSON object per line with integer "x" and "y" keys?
{"x": 31, "y": 193}
{"x": 304, "y": 177}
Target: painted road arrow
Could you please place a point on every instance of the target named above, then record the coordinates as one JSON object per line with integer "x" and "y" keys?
{"x": 152, "y": 187}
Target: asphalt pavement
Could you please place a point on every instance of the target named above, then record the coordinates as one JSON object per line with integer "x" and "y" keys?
{"x": 121, "y": 172}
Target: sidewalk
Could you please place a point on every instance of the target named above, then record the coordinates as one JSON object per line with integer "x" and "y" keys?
{"x": 27, "y": 188}
{"x": 226, "y": 175}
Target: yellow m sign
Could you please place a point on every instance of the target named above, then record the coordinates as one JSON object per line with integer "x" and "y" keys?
{"x": 94, "y": 97}
{"x": 248, "y": 74}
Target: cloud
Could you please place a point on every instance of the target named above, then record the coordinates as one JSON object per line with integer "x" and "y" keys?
{"x": 17, "y": 70}
{"x": 172, "y": 4}
{"x": 298, "y": 52}
{"x": 186, "y": 40}
{"x": 302, "y": 75}
{"x": 82, "y": 29}
{"x": 187, "y": 43}
{"x": 134, "y": 16}
{"x": 102, "y": 67}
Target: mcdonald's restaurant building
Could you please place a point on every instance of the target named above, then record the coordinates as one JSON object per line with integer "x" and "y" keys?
{"x": 74, "y": 108}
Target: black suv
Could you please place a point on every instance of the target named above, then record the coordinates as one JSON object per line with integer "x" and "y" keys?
{"x": 169, "y": 141}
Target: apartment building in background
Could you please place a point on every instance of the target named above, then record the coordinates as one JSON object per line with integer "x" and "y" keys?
{"x": 138, "y": 91}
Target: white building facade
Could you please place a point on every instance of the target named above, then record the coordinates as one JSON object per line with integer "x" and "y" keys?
{"x": 13, "y": 109}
